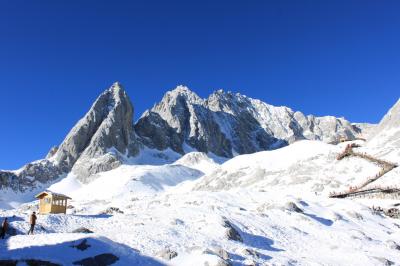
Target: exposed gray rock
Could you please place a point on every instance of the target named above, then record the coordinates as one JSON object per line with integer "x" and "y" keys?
{"x": 384, "y": 261}
{"x": 95, "y": 144}
{"x": 393, "y": 213}
{"x": 222, "y": 262}
{"x": 82, "y": 230}
{"x": 226, "y": 122}
{"x": 112, "y": 210}
{"x": 232, "y": 233}
{"x": 220, "y": 252}
{"x": 392, "y": 245}
{"x": 167, "y": 254}
{"x": 250, "y": 252}
{"x": 291, "y": 206}
{"x": 104, "y": 134}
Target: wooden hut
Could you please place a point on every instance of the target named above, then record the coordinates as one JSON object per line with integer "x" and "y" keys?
{"x": 50, "y": 202}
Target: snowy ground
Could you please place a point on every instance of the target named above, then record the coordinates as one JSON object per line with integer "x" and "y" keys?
{"x": 183, "y": 207}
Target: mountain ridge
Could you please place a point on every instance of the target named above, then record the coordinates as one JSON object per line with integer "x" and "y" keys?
{"x": 225, "y": 124}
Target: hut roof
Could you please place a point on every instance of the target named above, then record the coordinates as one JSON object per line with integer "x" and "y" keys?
{"x": 48, "y": 192}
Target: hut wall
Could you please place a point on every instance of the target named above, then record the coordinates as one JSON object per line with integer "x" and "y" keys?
{"x": 45, "y": 204}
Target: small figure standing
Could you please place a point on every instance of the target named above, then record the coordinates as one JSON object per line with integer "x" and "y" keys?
{"x": 32, "y": 221}
{"x": 4, "y": 227}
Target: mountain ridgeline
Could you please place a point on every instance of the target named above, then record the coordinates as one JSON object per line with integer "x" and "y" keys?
{"x": 225, "y": 124}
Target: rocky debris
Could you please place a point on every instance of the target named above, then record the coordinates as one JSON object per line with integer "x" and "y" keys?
{"x": 250, "y": 252}
{"x": 392, "y": 213}
{"x": 82, "y": 230}
{"x": 220, "y": 252}
{"x": 392, "y": 245}
{"x": 292, "y": 207}
{"x": 356, "y": 215}
{"x": 83, "y": 245}
{"x": 104, "y": 259}
{"x": 31, "y": 175}
{"x": 384, "y": 261}
{"x": 29, "y": 262}
{"x": 222, "y": 262}
{"x": 251, "y": 263}
{"x": 167, "y": 254}
{"x": 112, "y": 210}
{"x": 232, "y": 233}
{"x": 177, "y": 222}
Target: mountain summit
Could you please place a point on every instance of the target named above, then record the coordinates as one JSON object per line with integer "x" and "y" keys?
{"x": 229, "y": 123}
{"x": 225, "y": 124}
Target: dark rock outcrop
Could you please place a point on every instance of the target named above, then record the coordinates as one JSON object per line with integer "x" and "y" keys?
{"x": 227, "y": 124}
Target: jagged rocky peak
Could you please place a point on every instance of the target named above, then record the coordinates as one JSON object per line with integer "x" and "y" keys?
{"x": 229, "y": 123}
{"x": 98, "y": 140}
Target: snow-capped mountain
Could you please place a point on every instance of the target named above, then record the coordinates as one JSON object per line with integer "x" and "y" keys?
{"x": 225, "y": 124}
{"x": 165, "y": 191}
{"x": 93, "y": 145}
{"x": 385, "y": 138}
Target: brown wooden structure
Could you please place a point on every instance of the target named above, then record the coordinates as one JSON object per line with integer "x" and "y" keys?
{"x": 50, "y": 202}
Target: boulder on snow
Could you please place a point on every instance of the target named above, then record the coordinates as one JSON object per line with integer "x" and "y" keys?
{"x": 250, "y": 252}
{"x": 384, "y": 261}
{"x": 392, "y": 245}
{"x": 220, "y": 252}
{"x": 392, "y": 213}
{"x": 82, "y": 230}
{"x": 112, "y": 210}
{"x": 232, "y": 233}
{"x": 167, "y": 254}
{"x": 292, "y": 207}
{"x": 104, "y": 259}
{"x": 222, "y": 262}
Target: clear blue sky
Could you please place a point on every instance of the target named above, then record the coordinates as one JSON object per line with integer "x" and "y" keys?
{"x": 337, "y": 58}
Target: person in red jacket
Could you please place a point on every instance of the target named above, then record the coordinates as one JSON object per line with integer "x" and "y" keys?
{"x": 32, "y": 221}
{"x": 4, "y": 227}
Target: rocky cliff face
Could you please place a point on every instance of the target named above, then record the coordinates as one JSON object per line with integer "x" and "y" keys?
{"x": 227, "y": 124}
{"x": 98, "y": 142}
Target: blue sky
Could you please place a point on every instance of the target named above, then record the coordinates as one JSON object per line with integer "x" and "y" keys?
{"x": 337, "y": 58}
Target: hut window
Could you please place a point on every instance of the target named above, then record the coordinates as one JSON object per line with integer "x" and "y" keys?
{"x": 47, "y": 200}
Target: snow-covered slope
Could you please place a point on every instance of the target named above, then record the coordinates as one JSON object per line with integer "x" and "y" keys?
{"x": 320, "y": 231}
{"x": 386, "y": 138}
{"x": 255, "y": 209}
{"x": 308, "y": 166}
